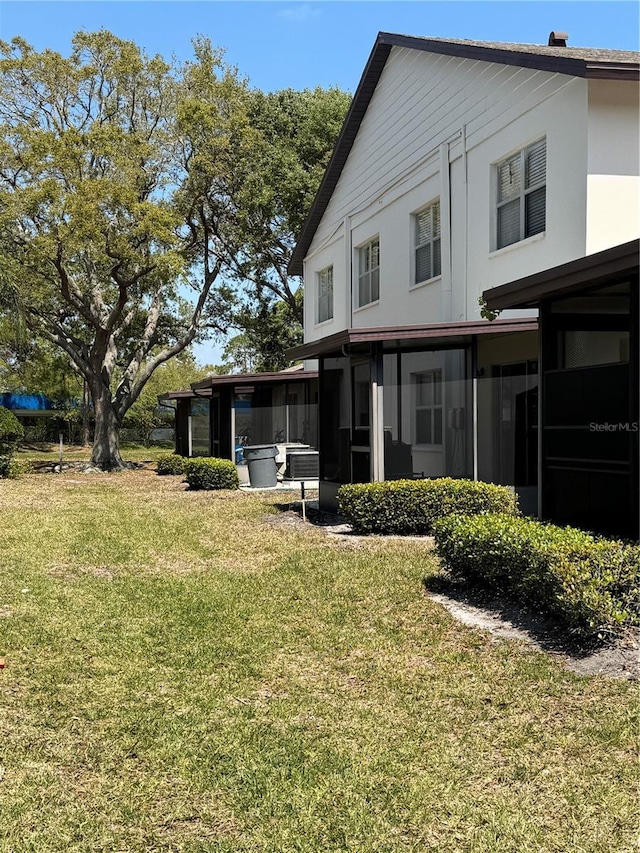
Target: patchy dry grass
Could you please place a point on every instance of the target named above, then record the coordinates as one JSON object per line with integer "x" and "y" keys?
{"x": 183, "y": 676}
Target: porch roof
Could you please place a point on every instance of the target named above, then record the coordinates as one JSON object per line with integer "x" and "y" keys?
{"x": 267, "y": 378}
{"x": 445, "y": 333}
{"x": 205, "y": 387}
{"x": 600, "y": 268}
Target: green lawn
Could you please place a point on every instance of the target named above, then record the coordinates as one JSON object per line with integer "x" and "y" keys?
{"x": 46, "y": 452}
{"x": 183, "y": 675}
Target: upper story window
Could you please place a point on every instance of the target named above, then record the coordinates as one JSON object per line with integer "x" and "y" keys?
{"x": 324, "y": 305}
{"x": 369, "y": 272}
{"x": 427, "y": 243}
{"x": 521, "y": 194}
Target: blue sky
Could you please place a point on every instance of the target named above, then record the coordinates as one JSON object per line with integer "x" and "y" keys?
{"x": 295, "y": 43}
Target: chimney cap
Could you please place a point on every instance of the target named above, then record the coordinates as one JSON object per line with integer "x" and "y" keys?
{"x": 557, "y": 38}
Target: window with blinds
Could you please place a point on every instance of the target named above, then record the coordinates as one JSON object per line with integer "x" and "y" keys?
{"x": 324, "y": 307}
{"x": 522, "y": 194}
{"x": 427, "y": 243}
{"x": 369, "y": 273}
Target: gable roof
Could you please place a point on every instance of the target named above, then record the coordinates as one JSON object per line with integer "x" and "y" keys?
{"x": 584, "y": 62}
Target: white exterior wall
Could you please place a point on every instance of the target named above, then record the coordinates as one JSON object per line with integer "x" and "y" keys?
{"x": 613, "y": 185}
{"x": 434, "y": 129}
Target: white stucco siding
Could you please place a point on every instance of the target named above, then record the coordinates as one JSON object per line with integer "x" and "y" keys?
{"x": 613, "y": 185}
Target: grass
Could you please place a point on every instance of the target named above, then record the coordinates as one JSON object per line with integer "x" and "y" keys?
{"x": 130, "y": 451}
{"x": 182, "y": 674}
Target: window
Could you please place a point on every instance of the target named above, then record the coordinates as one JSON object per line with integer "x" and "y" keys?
{"x": 428, "y": 395}
{"x": 369, "y": 272}
{"x": 427, "y": 243}
{"x": 325, "y": 295}
{"x": 522, "y": 194}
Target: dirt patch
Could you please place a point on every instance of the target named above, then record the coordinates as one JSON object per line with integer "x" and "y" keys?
{"x": 334, "y": 525}
{"x": 506, "y": 620}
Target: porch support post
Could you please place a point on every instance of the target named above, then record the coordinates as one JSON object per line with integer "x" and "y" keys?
{"x": 377, "y": 415}
{"x": 474, "y": 404}
{"x": 232, "y": 438}
{"x": 543, "y": 342}
{"x": 634, "y": 365}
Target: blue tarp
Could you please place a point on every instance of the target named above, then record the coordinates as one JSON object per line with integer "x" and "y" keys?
{"x": 30, "y": 402}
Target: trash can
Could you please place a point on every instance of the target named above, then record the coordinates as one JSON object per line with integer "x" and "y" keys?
{"x": 261, "y": 461}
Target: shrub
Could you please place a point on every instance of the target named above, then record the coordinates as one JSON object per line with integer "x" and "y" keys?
{"x": 17, "y": 467}
{"x": 11, "y": 431}
{"x": 170, "y": 463}
{"x": 589, "y": 584}
{"x": 412, "y": 506}
{"x": 209, "y": 473}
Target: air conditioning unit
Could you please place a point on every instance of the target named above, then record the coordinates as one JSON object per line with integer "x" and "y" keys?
{"x": 302, "y": 465}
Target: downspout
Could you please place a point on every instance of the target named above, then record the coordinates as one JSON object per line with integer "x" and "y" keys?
{"x": 445, "y": 195}
{"x": 348, "y": 255}
{"x": 465, "y": 257}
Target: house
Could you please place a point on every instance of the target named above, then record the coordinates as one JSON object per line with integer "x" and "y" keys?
{"x": 220, "y": 415}
{"x": 461, "y": 166}
{"x": 589, "y": 387}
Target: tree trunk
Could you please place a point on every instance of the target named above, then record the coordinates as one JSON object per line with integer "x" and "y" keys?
{"x": 106, "y": 438}
{"x": 86, "y": 433}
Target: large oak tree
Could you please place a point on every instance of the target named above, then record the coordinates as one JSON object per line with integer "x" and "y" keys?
{"x": 122, "y": 185}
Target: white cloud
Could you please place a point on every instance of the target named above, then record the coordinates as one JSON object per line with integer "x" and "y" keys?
{"x": 299, "y": 12}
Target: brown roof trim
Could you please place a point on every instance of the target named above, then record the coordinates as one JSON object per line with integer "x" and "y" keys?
{"x": 577, "y": 62}
{"x": 265, "y": 378}
{"x": 180, "y": 395}
{"x": 434, "y": 332}
{"x": 366, "y": 87}
{"x": 600, "y": 267}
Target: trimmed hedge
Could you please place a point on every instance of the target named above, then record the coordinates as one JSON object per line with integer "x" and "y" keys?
{"x": 590, "y": 584}
{"x": 170, "y": 463}
{"x": 208, "y": 473}
{"x": 412, "y": 506}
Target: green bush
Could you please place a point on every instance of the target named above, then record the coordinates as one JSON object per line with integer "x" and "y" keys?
{"x": 209, "y": 473}
{"x": 590, "y": 584}
{"x": 170, "y": 463}
{"x": 11, "y": 431}
{"x": 412, "y": 506}
{"x": 12, "y": 468}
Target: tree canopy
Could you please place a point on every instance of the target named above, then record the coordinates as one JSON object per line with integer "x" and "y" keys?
{"x": 298, "y": 130}
{"x": 120, "y": 181}
{"x": 137, "y": 196}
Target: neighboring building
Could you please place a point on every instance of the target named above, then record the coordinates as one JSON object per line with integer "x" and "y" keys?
{"x": 590, "y": 387}
{"x": 220, "y": 415}
{"x": 30, "y": 409}
{"x": 27, "y": 405}
{"x": 461, "y": 166}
